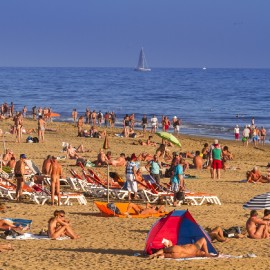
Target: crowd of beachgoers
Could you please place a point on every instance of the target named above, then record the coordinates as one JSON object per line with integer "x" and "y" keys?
{"x": 155, "y": 156}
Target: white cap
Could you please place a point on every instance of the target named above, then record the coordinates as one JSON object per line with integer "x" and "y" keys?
{"x": 216, "y": 141}
{"x": 174, "y": 117}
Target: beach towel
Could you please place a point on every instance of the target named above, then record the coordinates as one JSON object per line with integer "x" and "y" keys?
{"x": 220, "y": 256}
{"x": 30, "y": 236}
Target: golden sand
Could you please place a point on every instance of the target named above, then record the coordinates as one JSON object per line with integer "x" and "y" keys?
{"x": 110, "y": 243}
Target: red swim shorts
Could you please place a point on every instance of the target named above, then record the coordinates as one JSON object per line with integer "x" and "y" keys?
{"x": 236, "y": 135}
{"x": 216, "y": 164}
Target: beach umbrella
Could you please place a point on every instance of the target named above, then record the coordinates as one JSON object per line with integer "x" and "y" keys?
{"x": 169, "y": 137}
{"x": 259, "y": 202}
{"x": 106, "y": 143}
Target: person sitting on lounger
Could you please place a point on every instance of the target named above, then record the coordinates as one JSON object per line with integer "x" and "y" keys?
{"x": 198, "y": 249}
{"x": 257, "y": 228}
{"x": 149, "y": 209}
{"x": 254, "y": 176}
{"x": 59, "y": 227}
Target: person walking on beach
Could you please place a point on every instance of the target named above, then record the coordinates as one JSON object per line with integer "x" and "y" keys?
{"x": 24, "y": 111}
{"x": 19, "y": 172}
{"x": 154, "y": 124}
{"x": 56, "y": 173}
{"x": 246, "y": 134}
{"x": 41, "y": 128}
{"x": 144, "y": 123}
{"x": 263, "y": 135}
{"x": 236, "y": 133}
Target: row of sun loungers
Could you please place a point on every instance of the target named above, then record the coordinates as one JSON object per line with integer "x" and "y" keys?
{"x": 95, "y": 184}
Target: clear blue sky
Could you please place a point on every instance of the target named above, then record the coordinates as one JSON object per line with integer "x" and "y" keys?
{"x": 99, "y": 33}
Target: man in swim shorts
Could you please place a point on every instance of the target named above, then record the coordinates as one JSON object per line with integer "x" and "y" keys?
{"x": 19, "y": 171}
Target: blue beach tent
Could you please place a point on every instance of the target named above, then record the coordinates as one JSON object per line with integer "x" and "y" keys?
{"x": 178, "y": 226}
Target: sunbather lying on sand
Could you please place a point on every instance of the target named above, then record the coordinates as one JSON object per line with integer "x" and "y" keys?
{"x": 149, "y": 209}
{"x": 58, "y": 226}
{"x": 5, "y": 247}
{"x": 120, "y": 161}
{"x": 198, "y": 249}
{"x": 8, "y": 224}
{"x": 218, "y": 234}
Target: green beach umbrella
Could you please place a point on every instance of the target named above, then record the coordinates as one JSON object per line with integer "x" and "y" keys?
{"x": 169, "y": 137}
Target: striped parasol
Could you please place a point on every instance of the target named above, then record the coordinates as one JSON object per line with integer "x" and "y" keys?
{"x": 259, "y": 202}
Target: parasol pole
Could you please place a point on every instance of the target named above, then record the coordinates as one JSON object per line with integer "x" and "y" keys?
{"x": 108, "y": 175}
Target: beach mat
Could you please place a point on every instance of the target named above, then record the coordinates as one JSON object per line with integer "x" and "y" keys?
{"x": 220, "y": 256}
{"x": 30, "y": 236}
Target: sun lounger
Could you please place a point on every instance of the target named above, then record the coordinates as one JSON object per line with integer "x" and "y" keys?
{"x": 103, "y": 208}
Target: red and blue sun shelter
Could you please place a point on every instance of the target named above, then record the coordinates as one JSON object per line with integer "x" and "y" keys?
{"x": 178, "y": 226}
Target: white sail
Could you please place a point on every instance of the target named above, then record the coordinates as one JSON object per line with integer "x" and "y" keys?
{"x": 142, "y": 64}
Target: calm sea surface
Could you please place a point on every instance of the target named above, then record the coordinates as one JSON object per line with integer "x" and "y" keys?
{"x": 209, "y": 102}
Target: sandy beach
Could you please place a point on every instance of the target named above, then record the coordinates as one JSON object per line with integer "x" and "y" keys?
{"x": 110, "y": 243}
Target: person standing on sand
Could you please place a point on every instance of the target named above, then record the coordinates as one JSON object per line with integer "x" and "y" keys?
{"x": 154, "y": 124}
{"x": 56, "y": 173}
{"x": 19, "y": 172}
{"x": 87, "y": 116}
{"x": 131, "y": 175}
{"x": 41, "y": 128}
{"x": 18, "y": 121}
{"x": 263, "y": 135}
{"x": 144, "y": 123}
{"x": 236, "y": 133}
{"x": 177, "y": 181}
{"x": 246, "y": 134}
{"x": 94, "y": 118}
{"x": 216, "y": 158}
{"x": 46, "y": 165}
{"x": 74, "y": 115}
{"x": 80, "y": 126}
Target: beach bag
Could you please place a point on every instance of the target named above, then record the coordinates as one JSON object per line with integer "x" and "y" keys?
{"x": 35, "y": 140}
{"x": 231, "y": 232}
{"x": 180, "y": 195}
{"x": 114, "y": 208}
{"x": 29, "y": 139}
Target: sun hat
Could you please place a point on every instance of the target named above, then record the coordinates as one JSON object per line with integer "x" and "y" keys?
{"x": 23, "y": 156}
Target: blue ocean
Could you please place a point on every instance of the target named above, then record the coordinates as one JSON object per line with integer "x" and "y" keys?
{"x": 210, "y": 102}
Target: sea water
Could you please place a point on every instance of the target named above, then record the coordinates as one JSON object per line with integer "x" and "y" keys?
{"x": 210, "y": 102}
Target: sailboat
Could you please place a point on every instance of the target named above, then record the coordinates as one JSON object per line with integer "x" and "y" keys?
{"x": 142, "y": 65}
